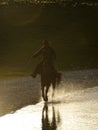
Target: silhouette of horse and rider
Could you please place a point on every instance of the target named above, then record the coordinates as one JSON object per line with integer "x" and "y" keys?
{"x": 46, "y": 69}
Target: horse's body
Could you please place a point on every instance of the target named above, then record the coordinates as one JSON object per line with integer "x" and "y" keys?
{"x": 48, "y": 77}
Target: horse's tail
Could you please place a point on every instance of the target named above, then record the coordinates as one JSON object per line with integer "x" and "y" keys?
{"x": 58, "y": 78}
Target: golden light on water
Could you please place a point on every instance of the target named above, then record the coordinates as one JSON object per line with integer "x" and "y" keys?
{"x": 56, "y": 116}
{"x": 76, "y": 110}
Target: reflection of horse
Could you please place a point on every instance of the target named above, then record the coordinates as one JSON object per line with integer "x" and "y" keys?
{"x": 47, "y": 123}
{"x": 48, "y": 77}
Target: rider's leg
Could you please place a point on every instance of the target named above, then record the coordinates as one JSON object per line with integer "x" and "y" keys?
{"x": 36, "y": 71}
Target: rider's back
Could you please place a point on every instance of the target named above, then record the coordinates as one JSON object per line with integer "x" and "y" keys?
{"x": 48, "y": 54}
{"x": 48, "y": 57}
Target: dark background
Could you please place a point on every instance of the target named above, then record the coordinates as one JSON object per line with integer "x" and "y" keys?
{"x": 72, "y": 30}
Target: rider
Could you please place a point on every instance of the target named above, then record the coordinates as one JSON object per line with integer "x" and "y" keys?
{"x": 48, "y": 55}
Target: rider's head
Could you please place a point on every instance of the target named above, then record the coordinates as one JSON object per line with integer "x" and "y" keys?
{"x": 45, "y": 43}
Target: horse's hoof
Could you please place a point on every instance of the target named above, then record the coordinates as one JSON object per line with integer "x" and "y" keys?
{"x": 45, "y": 99}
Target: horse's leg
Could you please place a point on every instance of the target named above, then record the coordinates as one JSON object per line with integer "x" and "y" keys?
{"x": 53, "y": 85}
{"x": 44, "y": 93}
{"x": 46, "y": 96}
{"x": 42, "y": 88}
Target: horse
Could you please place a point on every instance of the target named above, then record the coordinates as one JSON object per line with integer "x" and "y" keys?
{"x": 49, "y": 77}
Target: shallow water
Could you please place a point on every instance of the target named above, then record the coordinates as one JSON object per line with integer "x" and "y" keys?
{"x": 76, "y": 111}
{"x": 72, "y": 108}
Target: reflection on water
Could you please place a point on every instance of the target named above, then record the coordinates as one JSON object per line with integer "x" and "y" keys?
{"x": 49, "y": 123}
{"x": 76, "y": 111}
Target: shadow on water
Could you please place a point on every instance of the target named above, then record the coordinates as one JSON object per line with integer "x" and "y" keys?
{"x": 50, "y": 122}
